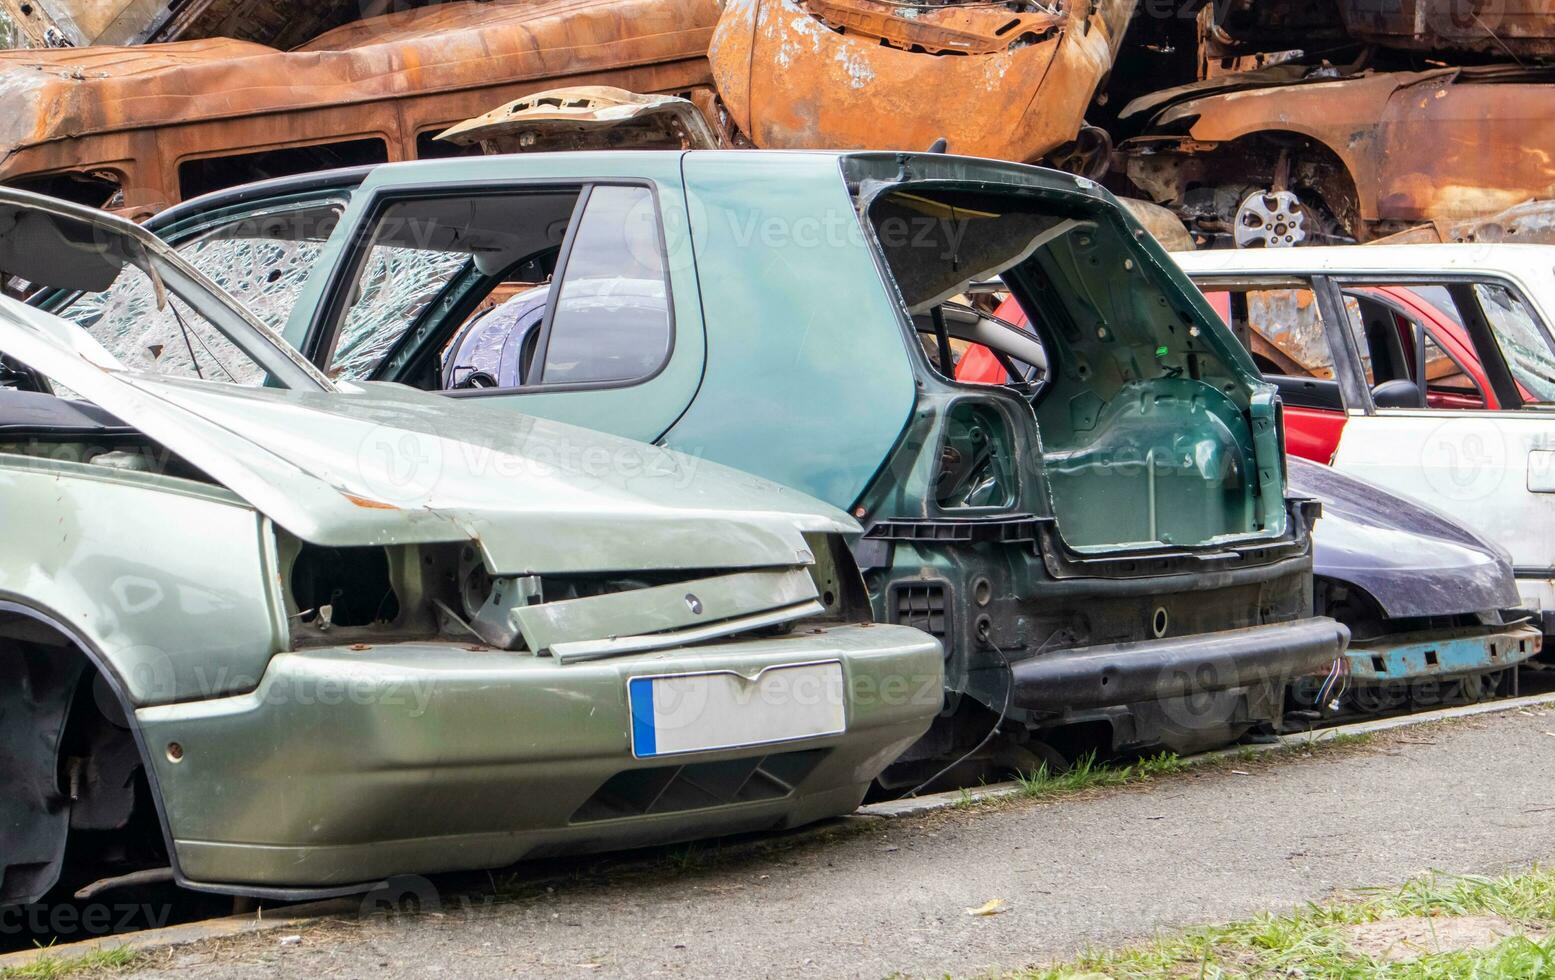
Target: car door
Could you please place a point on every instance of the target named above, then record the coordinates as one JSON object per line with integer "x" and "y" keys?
{"x": 1282, "y": 323}
{"x": 1479, "y": 444}
{"x": 598, "y": 325}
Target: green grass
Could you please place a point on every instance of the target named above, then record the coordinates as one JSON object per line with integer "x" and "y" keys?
{"x": 48, "y": 967}
{"x": 1311, "y": 943}
{"x": 1086, "y": 774}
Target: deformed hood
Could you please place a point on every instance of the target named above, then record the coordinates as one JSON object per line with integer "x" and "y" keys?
{"x": 1413, "y": 560}
{"x": 383, "y": 464}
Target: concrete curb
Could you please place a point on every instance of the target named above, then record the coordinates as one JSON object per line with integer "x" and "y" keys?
{"x": 190, "y": 932}
{"x": 297, "y": 915}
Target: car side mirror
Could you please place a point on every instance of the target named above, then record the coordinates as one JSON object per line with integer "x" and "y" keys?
{"x": 1399, "y": 393}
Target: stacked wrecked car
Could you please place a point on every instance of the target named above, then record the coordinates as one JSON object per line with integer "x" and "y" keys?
{"x": 577, "y": 500}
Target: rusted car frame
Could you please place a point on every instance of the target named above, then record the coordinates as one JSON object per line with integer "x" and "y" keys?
{"x": 82, "y": 23}
{"x": 587, "y": 117}
{"x": 140, "y": 129}
{"x": 1005, "y": 80}
{"x": 1341, "y": 153}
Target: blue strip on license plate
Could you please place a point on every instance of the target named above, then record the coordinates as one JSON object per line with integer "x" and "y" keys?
{"x": 702, "y": 712}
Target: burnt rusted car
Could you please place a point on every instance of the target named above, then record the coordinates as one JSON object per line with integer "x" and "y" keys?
{"x": 138, "y": 129}
{"x": 1009, "y": 80}
{"x": 1299, "y": 155}
{"x": 588, "y": 117}
{"x": 82, "y": 23}
{"x": 1502, "y": 29}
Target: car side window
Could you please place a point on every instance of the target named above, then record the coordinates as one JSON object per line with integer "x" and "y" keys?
{"x": 1449, "y": 384}
{"x": 1282, "y": 326}
{"x": 1522, "y": 342}
{"x": 396, "y": 284}
{"x": 417, "y": 250}
{"x": 611, "y": 322}
{"x": 1469, "y": 333}
{"x": 263, "y": 258}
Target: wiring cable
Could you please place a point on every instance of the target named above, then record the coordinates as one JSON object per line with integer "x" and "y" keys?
{"x": 1009, "y": 693}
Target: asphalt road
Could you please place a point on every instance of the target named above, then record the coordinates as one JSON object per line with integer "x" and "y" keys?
{"x": 878, "y": 897}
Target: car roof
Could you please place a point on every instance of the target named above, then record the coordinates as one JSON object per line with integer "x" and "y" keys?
{"x": 344, "y": 178}
{"x": 1423, "y": 259}
{"x": 584, "y": 164}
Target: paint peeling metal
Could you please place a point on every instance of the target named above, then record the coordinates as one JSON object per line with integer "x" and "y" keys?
{"x": 1005, "y": 80}
{"x": 1350, "y": 146}
{"x": 136, "y": 119}
{"x": 587, "y": 117}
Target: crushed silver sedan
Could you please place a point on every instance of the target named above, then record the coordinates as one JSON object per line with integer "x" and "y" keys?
{"x": 271, "y": 636}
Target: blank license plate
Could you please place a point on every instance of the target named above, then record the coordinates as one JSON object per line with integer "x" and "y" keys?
{"x": 678, "y": 713}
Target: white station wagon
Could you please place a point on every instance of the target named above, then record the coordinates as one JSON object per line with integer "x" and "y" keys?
{"x": 1428, "y": 369}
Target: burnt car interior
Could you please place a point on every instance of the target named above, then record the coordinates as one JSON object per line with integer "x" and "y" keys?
{"x": 1132, "y": 429}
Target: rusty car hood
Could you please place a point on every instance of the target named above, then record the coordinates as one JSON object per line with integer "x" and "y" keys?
{"x": 384, "y": 464}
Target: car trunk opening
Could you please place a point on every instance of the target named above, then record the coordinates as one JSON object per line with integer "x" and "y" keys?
{"x": 1154, "y": 429}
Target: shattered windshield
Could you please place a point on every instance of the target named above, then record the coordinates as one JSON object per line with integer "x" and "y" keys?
{"x": 1527, "y": 351}
{"x": 265, "y": 274}
{"x": 153, "y": 312}
{"x": 160, "y": 334}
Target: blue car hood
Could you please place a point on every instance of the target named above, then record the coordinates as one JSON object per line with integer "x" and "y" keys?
{"x": 1415, "y": 561}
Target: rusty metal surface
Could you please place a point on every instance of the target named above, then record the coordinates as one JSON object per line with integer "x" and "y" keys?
{"x": 62, "y": 23}
{"x": 794, "y": 74}
{"x": 1487, "y": 130}
{"x": 1503, "y": 28}
{"x": 1167, "y": 228}
{"x": 277, "y": 23}
{"x": 138, "y": 113}
{"x": 587, "y": 117}
{"x": 1531, "y": 223}
{"x": 1287, "y": 322}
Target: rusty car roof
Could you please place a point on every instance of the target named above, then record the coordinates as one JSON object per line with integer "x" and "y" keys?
{"x": 60, "y": 94}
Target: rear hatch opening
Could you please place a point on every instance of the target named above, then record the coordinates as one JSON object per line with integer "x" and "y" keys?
{"x": 1155, "y": 429}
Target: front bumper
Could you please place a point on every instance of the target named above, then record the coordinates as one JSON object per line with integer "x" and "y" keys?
{"x": 1178, "y": 667}
{"x": 348, "y": 766}
{"x": 1444, "y": 655}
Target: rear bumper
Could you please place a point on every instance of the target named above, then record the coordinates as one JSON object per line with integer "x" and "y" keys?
{"x": 1166, "y": 669}
{"x": 1441, "y": 656}
{"x": 349, "y": 766}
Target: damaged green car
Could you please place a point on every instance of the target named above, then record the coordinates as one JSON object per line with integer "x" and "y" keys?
{"x": 268, "y": 635}
{"x": 1104, "y": 544}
